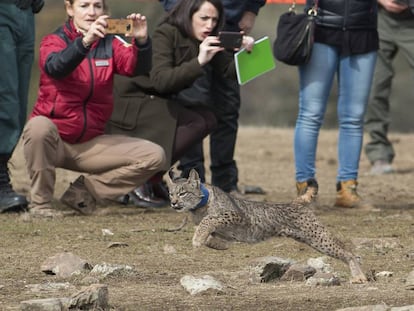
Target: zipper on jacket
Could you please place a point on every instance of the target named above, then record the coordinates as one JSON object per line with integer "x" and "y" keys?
{"x": 85, "y": 103}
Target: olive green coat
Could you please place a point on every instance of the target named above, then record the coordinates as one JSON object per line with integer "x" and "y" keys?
{"x": 146, "y": 106}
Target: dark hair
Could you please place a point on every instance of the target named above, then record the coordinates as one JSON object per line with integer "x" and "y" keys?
{"x": 182, "y": 13}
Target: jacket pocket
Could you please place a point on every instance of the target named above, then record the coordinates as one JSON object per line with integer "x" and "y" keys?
{"x": 126, "y": 111}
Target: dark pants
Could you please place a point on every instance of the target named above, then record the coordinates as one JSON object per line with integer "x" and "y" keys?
{"x": 225, "y": 102}
{"x": 192, "y": 126}
{"x": 395, "y": 36}
{"x": 16, "y": 51}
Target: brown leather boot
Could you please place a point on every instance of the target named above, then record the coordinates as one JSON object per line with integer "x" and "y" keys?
{"x": 347, "y": 196}
{"x": 302, "y": 187}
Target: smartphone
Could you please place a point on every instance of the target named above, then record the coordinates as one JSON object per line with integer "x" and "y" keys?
{"x": 118, "y": 26}
{"x": 230, "y": 40}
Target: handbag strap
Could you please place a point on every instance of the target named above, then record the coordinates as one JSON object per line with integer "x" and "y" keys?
{"x": 312, "y": 11}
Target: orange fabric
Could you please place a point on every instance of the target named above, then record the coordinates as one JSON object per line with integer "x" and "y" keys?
{"x": 285, "y": 1}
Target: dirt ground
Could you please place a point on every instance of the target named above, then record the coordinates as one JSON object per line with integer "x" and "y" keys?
{"x": 265, "y": 158}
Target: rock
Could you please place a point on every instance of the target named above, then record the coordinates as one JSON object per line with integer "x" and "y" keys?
{"x": 169, "y": 249}
{"x": 89, "y": 280}
{"x": 409, "y": 282}
{"x": 64, "y": 265}
{"x": 319, "y": 264}
{"x": 107, "y": 232}
{"x": 265, "y": 269}
{"x": 195, "y": 285}
{"x": 404, "y": 308}
{"x": 48, "y": 304}
{"x": 366, "y": 308}
{"x": 298, "y": 272}
{"x": 105, "y": 270}
{"x": 384, "y": 274}
{"x": 117, "y": 244}
{"x": 49, "y": 287}
{"x": 94, "y": 297}
{"x": 410, "y": 255}
{"x": 323, "y": 279}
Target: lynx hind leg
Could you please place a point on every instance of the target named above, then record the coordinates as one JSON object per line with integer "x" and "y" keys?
{"x": 217, "y": 243}
{"x": 309, "y": 230}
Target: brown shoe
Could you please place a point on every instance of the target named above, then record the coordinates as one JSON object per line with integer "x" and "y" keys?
{"x": 77, "y": 197}
{"x": 302, "y": 187}
{"x": 347, "y": 196}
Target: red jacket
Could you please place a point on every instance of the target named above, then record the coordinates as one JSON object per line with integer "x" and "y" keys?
{"x": 76, "y": 83}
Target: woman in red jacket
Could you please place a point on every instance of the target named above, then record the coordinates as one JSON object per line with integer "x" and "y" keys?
{"x": 66, "y": 128}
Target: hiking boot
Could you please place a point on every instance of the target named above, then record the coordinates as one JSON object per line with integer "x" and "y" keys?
{"x": 347, "y": 196}
{"x": 381, "y": 167}
{"x": 78, "y": 198}
{"x": 302, "y": 187}
{"x": 10, "y": 201}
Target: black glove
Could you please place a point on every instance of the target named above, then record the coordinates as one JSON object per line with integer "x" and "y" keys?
{"x": 37, "y": 5}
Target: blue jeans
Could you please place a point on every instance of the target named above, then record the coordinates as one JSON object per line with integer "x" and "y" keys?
{"x": 354, "y": 74}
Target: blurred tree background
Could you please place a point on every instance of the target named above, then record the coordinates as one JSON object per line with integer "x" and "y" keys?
{"x": 270, "y": 100}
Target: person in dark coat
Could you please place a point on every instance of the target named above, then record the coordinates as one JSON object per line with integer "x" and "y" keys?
{"x": 17, "y": 32}
{"x": 240, "y": 15}
{"x": 166, "y": 106}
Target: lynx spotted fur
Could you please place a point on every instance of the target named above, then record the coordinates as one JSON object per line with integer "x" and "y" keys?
{"x": 222, "y": 218}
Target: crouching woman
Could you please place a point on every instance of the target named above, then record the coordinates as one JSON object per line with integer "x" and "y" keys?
{"x": 66, "y": 127}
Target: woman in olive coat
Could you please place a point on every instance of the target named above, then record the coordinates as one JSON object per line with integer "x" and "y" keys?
{"x": 167, "y": 106}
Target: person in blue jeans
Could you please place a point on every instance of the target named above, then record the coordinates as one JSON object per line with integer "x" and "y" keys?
{"x": 17, "y": 37}
{"x": 346, "y": 44}
{"x": 225, "y": 102}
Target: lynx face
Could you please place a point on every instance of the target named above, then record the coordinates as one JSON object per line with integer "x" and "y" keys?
{"x": 185, "y": 194}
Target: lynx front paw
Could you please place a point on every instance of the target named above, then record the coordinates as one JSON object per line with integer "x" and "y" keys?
{"x": 358, "y": 279}
{"x": 197, "y": 242}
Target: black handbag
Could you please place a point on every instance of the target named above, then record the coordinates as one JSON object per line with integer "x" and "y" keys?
{"x": 294, "y": 36}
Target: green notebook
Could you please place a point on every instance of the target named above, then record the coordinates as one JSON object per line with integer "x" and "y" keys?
{"x": 259, "y": 61}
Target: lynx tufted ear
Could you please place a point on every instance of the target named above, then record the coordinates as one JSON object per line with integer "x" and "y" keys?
{"x": 194, "y": 175}
{"x": 194, "y": 179}
{"x": 170, "y": 177}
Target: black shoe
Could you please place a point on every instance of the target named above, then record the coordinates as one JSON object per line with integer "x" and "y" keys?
{"x": 11, "y": 202}
{"x": 124, "y": 200}
{"x": 144, "y": 197}
{"x": 160, "y": 190}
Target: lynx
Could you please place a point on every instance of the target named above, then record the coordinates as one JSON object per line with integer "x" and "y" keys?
{"x": 222, "y": 218}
